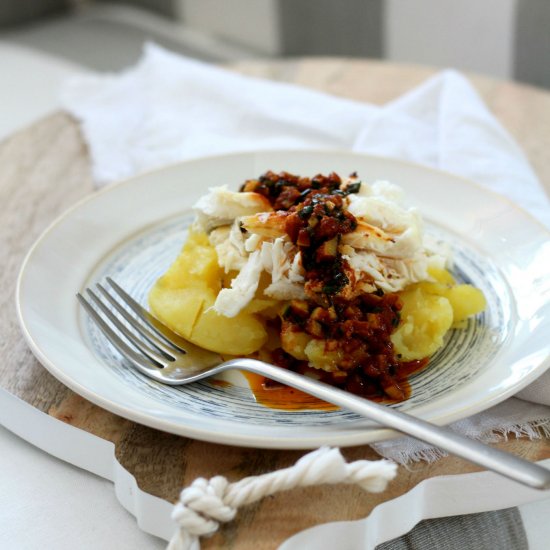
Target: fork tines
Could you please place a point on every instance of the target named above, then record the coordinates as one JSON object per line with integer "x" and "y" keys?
{"x": 143, "y": 342}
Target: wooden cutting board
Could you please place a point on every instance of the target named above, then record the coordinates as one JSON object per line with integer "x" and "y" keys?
{"x": 46, "y": 168}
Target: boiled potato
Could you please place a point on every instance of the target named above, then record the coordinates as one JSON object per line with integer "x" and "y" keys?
{"x": 294, "y": 342}
{"x": 183, "y": 298}
{"x": 441, "y": 276}
{"x": 240, "y": 335}
{"x": 425, "y": 319}
{"x": 430, "y": 309}
{"x": 465, "y": 300}
{"x": 320, "y": 355}
{"x": 268, "y": 307}
{"x": 177, "y": 308}
{"x": 197, "y": 264}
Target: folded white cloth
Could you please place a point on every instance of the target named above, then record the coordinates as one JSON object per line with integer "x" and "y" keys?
{"x": 168, "y": 108}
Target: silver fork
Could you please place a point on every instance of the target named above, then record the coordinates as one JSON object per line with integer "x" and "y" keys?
{"x": 161, "y": 354}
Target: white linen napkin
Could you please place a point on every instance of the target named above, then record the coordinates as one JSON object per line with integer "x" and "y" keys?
{"x": 169, "y": 108}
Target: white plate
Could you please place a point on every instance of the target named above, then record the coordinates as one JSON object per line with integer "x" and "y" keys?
{"x": 134, "y": 229}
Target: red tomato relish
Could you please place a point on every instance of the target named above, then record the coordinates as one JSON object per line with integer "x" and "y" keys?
{"x": 354, "y": 327}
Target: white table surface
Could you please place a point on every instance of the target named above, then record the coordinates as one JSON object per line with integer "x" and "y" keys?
{"x": 47, "y": 503}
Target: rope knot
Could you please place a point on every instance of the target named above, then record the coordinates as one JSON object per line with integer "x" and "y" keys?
{"x": 207, "y": 503}
{"x": 201, "y": 507}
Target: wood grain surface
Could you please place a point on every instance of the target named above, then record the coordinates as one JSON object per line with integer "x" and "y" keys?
{"x": 46, "y": 168}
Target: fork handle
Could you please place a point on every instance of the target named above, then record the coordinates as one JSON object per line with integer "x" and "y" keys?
{"x": 506, "y": 464}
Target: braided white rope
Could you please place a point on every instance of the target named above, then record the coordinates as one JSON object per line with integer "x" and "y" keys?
{"x": 207, "y": 503}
